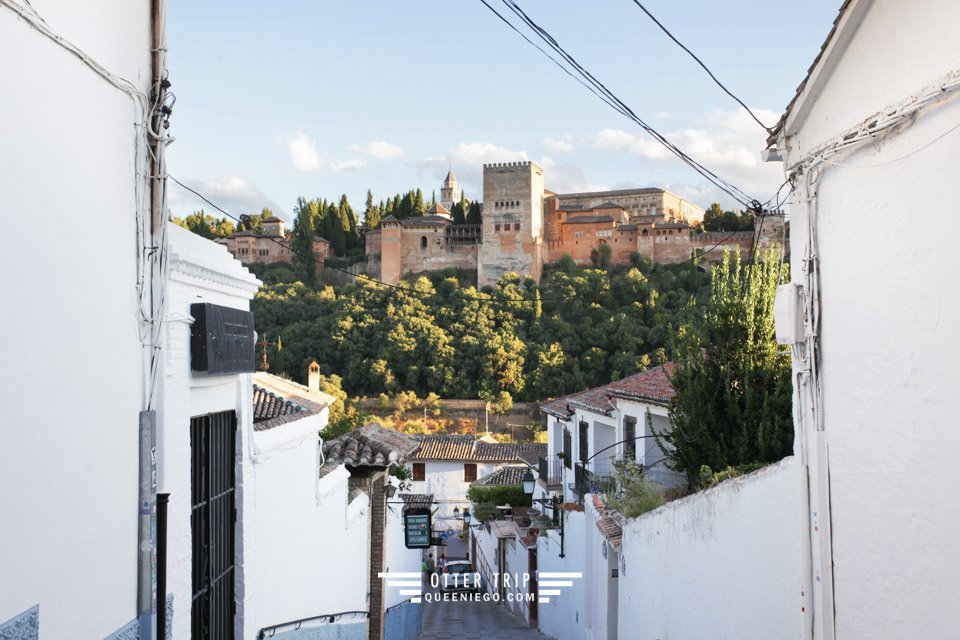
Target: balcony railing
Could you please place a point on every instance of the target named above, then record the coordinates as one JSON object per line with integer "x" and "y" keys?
{"x": 586, "y": 481}
{"x": 550, "y": 471}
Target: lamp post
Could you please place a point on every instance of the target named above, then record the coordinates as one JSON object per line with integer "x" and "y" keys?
{"x": 553, "y": 503}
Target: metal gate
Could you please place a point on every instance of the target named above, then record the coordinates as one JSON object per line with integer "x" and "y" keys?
{"x": 213, "y": 521}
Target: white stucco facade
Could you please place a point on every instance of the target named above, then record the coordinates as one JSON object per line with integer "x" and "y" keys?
{"x": 73, "y": 374}
{"x": 884, "y": 435}
{"x": 444, "y": 479}
{"x": 729, "y": 562}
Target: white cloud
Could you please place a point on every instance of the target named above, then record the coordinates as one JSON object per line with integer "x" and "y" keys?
{"x": 554, "y": 146}
{"x": 467, "y": 160}
{"x": 234, "y": 195}
{"x": 726, "y": 142}
{"x": 380, "y": 150}
{"x": 348, "y": 165}
{"x": 663, "y": 115}
{"x": 566, "y": 177}
{"x": 303, "y": 152}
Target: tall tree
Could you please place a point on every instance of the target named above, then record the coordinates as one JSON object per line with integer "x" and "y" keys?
{"x": 371, "y": 213}
{"x": 458, "y": 214}
{"x": 338, "y": 235}
{"x": 301, "y": 244}
{"x": 419, "y": 208}
{"x": 732, "y": 381}
{"x": 474, "y": 215}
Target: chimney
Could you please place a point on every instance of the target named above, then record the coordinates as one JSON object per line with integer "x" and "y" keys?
{"x": 313, "y": 378}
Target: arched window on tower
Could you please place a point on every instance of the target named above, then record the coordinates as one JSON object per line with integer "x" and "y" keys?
{"x": 645, "y": 233}
{"x": 423, "y": 242}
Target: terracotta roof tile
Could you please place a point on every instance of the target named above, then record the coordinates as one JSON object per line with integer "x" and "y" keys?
{"x": 651, "y": 386}
{"x": 503, "y": 476}
{"x": 473, "y": 449}
{"x": 368, "y": 446}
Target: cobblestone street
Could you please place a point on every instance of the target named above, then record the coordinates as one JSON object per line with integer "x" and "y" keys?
{"x": 473, "y": 621}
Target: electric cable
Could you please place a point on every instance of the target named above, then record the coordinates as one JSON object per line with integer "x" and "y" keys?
{"x": 702, "y": 65}
{"x": 621, "y": 107}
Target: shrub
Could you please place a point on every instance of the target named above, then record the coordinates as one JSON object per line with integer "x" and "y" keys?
{"x": 635, "y": 494}
{"x": 497, "y": 495}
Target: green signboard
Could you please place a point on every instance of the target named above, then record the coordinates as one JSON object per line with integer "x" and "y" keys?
{"x": 416, "y": 527}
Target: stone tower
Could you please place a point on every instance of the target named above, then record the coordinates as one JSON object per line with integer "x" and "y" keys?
{"x": 390, "y": 259}
{"x": 512, "y": 221}
{"x": 450, "y": 193}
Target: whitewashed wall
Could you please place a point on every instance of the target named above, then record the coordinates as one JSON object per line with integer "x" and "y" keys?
{"x": 564, "y": 617}
{"x": 444, "y": 479}
{"x": 397, "y": 558}
{"x": 72, "y": 362}
{"x": 729, "y": 562}
{"x": 202, "y": 271}
{"x": 890, "y": 318}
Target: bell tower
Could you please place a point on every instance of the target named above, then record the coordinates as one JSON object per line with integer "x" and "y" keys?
{"x": 450, "y": 193}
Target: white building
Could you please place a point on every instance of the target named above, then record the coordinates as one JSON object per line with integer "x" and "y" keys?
{"x": 446, "y": 465}
{"x": 75, "y": 371}
{"x": 870, "y": 142}
{"x": 585, "y": 430}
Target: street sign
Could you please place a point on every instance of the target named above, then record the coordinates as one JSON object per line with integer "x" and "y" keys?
{"x": 416, "y": 527}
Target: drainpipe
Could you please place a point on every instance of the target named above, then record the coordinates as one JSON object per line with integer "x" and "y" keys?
{"x": 162, "y": 499}
{"x": 147, "y": 526}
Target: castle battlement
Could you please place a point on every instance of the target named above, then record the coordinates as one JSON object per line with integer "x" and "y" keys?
{"x": 524, "y": 225}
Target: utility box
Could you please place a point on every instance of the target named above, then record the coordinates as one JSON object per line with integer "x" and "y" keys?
{"x": 788, "y": 314}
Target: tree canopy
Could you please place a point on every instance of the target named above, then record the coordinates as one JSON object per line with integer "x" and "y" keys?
{"x": 732, "y": 381}
{"x": 581, "y": 327}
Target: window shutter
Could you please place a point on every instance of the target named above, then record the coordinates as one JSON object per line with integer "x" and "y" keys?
{"x": 419, "y": 471}
{"x": 469, "y": 472}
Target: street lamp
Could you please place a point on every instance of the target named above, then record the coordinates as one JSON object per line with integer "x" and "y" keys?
{"x": 466, "y": 516}
{"x": 528, "y": 483}
{"x": 456, "y": 513}
{"x": 391, "y": 490}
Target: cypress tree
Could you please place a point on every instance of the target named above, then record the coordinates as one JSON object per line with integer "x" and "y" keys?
{"x": 301, "y": 244}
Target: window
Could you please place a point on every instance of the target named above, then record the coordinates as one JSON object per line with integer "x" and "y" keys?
{"x": 584, "y": 442}
{"x": 559, "y": 216}
{"x": 423, "y": 242}
{"x": 567, "y": 449}
{"x": 645, "y": 233}
{"x": 419, "y": 471}
{"x": 469, "y": 472}
{"x": 629, "y": 437}
{"x": 516, "y": 226}
{"x": 496, "y": 227}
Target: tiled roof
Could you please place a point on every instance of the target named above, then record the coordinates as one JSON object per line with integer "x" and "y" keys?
{"x": 618, "y": 192}
{"x": 431, "y": 220}
{"x": 572, "y": 207}
{"x": 651, "y": 386}
{"x": 503, "y": 476}
{"x": 368, "y": 446}
{"x": 587, "y": 219}
{"x": 277, "y": 401}
{"x": 473, "y": 449}
{"x": 608, "y": 527}
{"x": 411, "y": 500}
{"x": 607, "y": 205}
{"x": 267, "y": 405}
{"x": 438, "y": 209}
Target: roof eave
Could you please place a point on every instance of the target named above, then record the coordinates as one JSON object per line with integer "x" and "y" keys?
{"x": 849, "y": 18}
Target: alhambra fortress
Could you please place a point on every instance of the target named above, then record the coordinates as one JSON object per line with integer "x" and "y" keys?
{"x": 524, "y": 225}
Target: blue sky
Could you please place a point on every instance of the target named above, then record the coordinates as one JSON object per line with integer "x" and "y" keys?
{"x": 318, "y": 98}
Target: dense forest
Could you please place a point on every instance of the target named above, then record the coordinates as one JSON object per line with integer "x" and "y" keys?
{"x": 579, "y": 328}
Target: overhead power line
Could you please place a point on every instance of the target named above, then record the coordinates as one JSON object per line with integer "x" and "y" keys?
{"x": 612, "y": 100}
{"x": 703, "y": 65}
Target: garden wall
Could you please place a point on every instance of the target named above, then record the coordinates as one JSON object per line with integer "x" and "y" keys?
{"x": 728, "y": 562}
